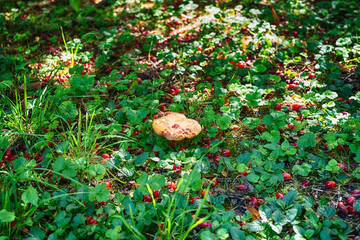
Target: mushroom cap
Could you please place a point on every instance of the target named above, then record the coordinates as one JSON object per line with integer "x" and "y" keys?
{"x": 175, "y": 126}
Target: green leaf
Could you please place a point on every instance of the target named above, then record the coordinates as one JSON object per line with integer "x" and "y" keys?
{"x": 207, "y": 235}
{"x": 63, "y": 147}
{"x": 75, "y": 4}
{"x": 59, "y": 164}
{"x": 276, "y": 228}
{"x": 68, "y": 110}
{"x": 141, "y": 159}
{"x": 258, "y": 68}
{"x": 236, "y": 233}
{"x": 19, "y": 164}
{"x": 157, "y": 181}
{"x": 252, "y": 178}
{"x": 356, "y": 205}
{"x": 37, "y": 233}
{"x": 30, "y": 195}
{"x": 290, "y": 197}
{"x": 64, "y": 166}
{"x": 82, "y": 82}
{"x": 128, "y": 172}
{"x": 99, "y": 193}
{"x": 273, "y": 136}
{"x": 166, "y": 72}
{"x": 307, "y": 140}
{"x": 303, "y": 169}
{"x": 96, "y": 169}
{"x": 223, "y": 122}
{"x": 255, "y": 226}
{"x": 5, "y": 84}
{"x": 100, "y": 60}
{"x": 114, "y": 233}
{"x": 61, "y": 220}
{"x": 143, "y": 179}
{"x": 251, "y": 122}
{"x": 222, "y": 233}
{"x": 4, "y": 142}
{"x": 324, "y": 235}
{"x": 326, "y": 211}
{"x": 291, "y": 214}
{"x": 6, "y": 216}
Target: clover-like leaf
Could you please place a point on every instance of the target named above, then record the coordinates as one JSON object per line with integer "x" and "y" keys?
{"x": 307, "y": 140}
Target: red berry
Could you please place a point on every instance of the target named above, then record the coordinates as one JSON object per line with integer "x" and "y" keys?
{"x": 241, "y": 187}
{"x": 210, "y": 155}
{"x": 278, "y": 107}
{"x": 8, "y": 153}
{"x": 173, "y": 185}
{"x": 279, "y": 196}
{"x": 147, "y": 198}
{"x": 326, "y": 147}
{"x": 108, "y": 184}
{"x": 177, "y": 169}
{"x": 330, "y": 184}
{"x": 254, "y": 201}
{"x": 108, "y": 70}
{"x": 291, "y": 126}
{"x": 291, "y": 86}
{"x": 350, "y": 201}
{"x": 241, "y": 64}
{"x": 340, "y": 204}
{"x": 311, "y": 75}
{"x": 13, "y": 224}
{"x": 156, "y": 193}
{"x": 352, "y": 210}
{"x": 105, "y": 155}
{"x": 226, "y": 153}
{"x": 203, "y": 192}
{"x": 192, "y": 200}
{"x": 91, "y": 221}
{"x": 342, "y": 166}
{"x": 215, "y": 182}
{"x": 340, "y": 148}
{"x": 342, "y": 208}
{"x": 355, "y": 192}
{"x": 286, "y": 176}
{"x": 203, "y": 225}
{"x": 306, "y": 183}
{"x": 296, "y": 106}
{"x": 244, "y": 173}
{"x": 217, "y": 158}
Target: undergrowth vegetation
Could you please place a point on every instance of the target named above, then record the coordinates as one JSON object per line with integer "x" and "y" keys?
{"x": 274, "y": 84}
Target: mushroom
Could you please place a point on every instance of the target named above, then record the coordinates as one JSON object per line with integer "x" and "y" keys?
{"x": 175, "y": 126}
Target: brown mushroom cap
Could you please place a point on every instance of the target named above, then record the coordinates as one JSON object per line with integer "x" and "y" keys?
{"x": 175, "y": 126}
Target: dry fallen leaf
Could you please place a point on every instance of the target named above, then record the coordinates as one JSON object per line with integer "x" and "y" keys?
{"x": 276, "y": 17}
{"x": 254, "y": 213}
